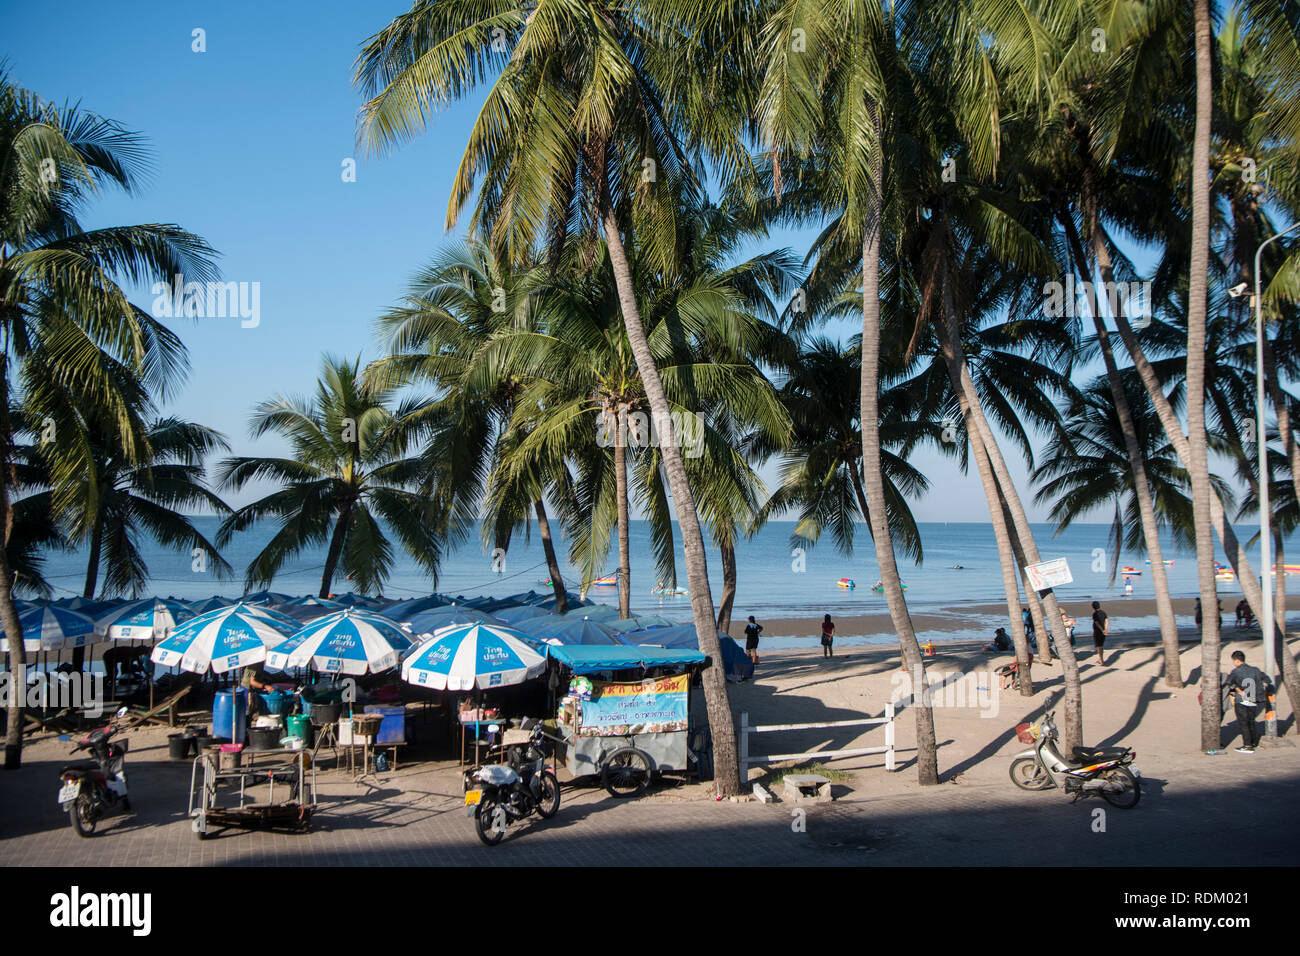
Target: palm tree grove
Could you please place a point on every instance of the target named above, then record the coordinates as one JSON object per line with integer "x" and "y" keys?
{"x": 759, "y": 432}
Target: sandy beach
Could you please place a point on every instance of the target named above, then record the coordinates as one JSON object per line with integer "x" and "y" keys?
{"x": 973, "y": 619}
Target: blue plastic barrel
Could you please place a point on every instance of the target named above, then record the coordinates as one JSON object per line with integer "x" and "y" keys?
{"x": 221, "y": 716}
{"x": 392, "y": 729}
{"x": 275, "y": 702}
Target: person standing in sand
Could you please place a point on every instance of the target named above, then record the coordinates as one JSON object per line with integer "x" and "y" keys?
{"x": 1100, "y": 628}
{"x": 828, "y": 636}
{"x": 752, "y": 630}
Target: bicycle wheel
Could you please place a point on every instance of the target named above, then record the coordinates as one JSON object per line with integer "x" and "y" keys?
{"x": 626, "y": 773}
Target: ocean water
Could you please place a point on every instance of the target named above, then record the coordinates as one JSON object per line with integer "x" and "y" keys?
{"x": 774, "y": 580}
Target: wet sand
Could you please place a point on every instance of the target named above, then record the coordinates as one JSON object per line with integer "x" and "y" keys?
{"x": 972, "y": 621}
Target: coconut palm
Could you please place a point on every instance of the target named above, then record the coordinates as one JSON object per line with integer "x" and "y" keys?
{"x": 600, "y": 149}
{"x": 347, "y": 483}
{"x": 438, "y": 335}
{"x": 65, "y": 322}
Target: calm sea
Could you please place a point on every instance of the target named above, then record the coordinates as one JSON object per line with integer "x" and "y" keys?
{"x": 773, "y": 580}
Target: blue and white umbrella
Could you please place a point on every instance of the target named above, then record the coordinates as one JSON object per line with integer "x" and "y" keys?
{"x": 432, "y": 621}
{"x": 266, "y": 597}
{"x": 522, "y": 615}
{"x": 147, "y": 620}
{"x": 257, "y": 610}
{"x": 560, "y": 630}
{"x": 405, "y": 610}
{"x": 222, "y": 640}
{"x": 351, "y": 641}
{"x": 473, "y": 655}
{"x": 48, "y": 627}
{"x": 214, "y": 603}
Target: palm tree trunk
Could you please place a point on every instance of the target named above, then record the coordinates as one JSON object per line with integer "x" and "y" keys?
{"x": 727, "y": 552}
{"x": 335, "y": 549}
{"x": 927, "y": 757}
{"x": 951, "y": 337}
{"x": 1031, "y": 596}
{"x": 552, "y": 563}
{"x": 1136, "y": 461}
{"x": 1007, "y": 551}
{"x": 620, "y": 491}
{"x": 1198, "y": 462}
{"x": 92, "y": 582}
{"x": 721, "y": 723}
{"x": 14, "y": 632}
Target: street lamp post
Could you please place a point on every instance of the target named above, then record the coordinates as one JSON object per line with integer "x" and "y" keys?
{"x": 1265, "y": 511}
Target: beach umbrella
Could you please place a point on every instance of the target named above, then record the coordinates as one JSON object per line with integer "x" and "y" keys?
{"x": 594, "y": 612}
{"x": 430, "y": 621}
{"x": 352, "y": 599}
{"x": 48, "y": 627}
{"x": 562, "y": 630}
{"x": 405, "y": 610}
{"x": 639, "y": 622}
{"x": 258, "y": 610}
{"x": 473, "y": 656}
{"x": 312, "y": 600}
{"x": 222, "y": 641}
{"x": 736, "y": 662}
{"x": 147, "y": 620}
{"x": 351, "y": 641}
{"x": 522, "y": 614}
{"x": 214, "y": 603}
{"x": 266, "y": 597}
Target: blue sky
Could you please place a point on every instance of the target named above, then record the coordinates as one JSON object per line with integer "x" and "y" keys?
{"x": 248, "y": 143}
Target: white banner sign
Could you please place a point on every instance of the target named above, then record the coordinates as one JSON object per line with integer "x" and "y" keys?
{"x": 1049, "y": 574}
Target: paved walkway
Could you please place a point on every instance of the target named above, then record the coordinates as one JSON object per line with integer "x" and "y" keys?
{"x": 1195, "y": 810}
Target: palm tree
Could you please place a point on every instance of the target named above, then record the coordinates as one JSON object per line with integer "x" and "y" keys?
{"x": 60, "y": 299}
{"x": 602, "y": 150}
{"x": 438, "y": 335}
{"x": 347, "y": 483}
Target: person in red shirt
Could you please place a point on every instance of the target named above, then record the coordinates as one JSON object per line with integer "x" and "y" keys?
{"x": 828, "y": 636}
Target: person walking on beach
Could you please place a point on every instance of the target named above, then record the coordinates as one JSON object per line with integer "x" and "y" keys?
{"x": 1248, "y": 687}
{"x": 828, "y": 636}
{"x": 1100, "y": 628}
{"x": 1197, "y": 614}
{"x": 752, "y": 630}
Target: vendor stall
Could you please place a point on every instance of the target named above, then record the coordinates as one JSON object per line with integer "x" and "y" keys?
{"x": 632, "y": 726}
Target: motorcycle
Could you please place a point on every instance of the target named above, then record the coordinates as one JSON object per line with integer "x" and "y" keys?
{"x": 92, "y": 787}
{"x": 500, "y": 794}
{"x": 1106, "y": 771}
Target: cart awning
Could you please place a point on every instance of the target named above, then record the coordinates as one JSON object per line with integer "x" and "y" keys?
{"x": 588, "y": 658}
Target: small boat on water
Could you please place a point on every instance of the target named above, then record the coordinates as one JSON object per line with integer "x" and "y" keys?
{"x": 667, "y": 591}
{"x": 846, "y": 583}
{"x": 1129, "y": 571}
{"x": 1168, "y": 564}
{"x": 608, "y": 581}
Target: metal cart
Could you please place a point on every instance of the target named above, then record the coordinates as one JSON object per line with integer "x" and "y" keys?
{"x": 627, "y": 755}
{"x": 293, "y": 776}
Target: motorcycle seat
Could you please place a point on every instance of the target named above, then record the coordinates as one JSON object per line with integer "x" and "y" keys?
{"x": 1098, "y": 754}
{"x": 84, "y": 765}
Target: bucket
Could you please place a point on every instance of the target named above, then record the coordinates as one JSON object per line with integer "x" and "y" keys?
{"x": 274, "y": 701}
{"x": 265, "y": 738}
{"x": 299, "y": 725}
{"x": 178, "y": 746}
{"x": 222, "y": 717}
{"x": 323, "y": 712}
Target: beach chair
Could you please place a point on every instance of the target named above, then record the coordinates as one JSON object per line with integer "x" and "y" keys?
{"x": 148, "y": 715}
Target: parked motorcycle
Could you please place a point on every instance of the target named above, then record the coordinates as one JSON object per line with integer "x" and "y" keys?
{"x": 1106, "y": 771}
{"x": 501, "y": 794}
{"x": 92, "y": 787}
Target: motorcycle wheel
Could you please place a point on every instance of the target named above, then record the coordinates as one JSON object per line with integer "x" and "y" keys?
{"x": 489, "y": 821}
{"x": 82, "y": 815}
{"x": 626, "y": 773}
{"x": 548, "y": 801}
{"x": 1026, "y": 775}
{"x": 1122, "y": 789}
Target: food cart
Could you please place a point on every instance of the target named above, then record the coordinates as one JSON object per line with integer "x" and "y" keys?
{"x": 290, "y": 771}
{"x": 625, "y": 730}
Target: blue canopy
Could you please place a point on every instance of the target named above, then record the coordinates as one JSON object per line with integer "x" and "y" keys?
{"x": 590, "y": 658}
